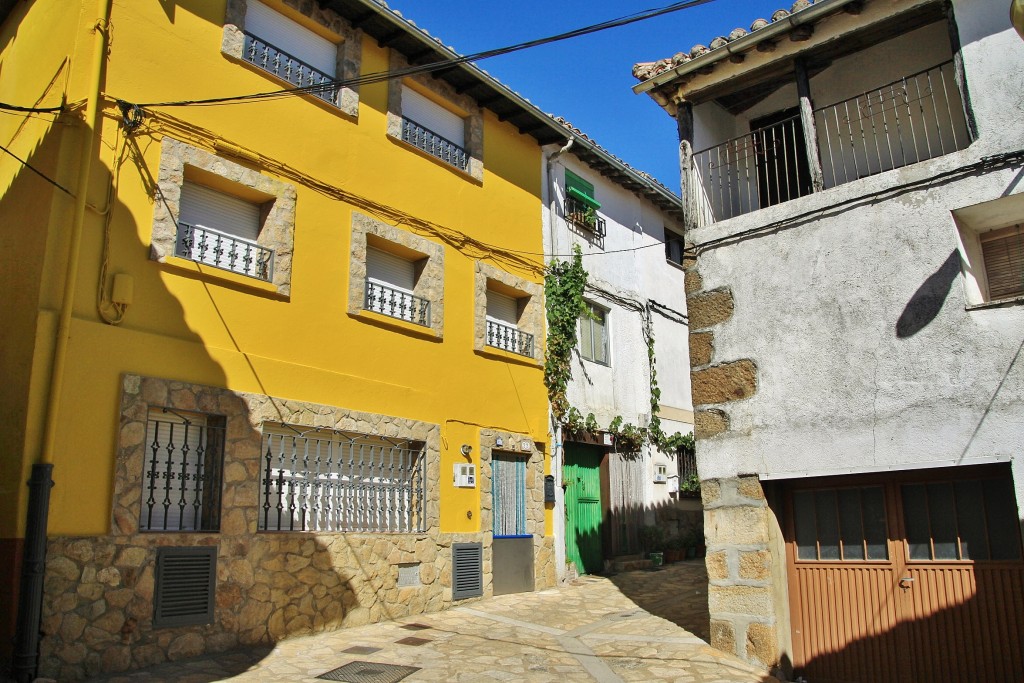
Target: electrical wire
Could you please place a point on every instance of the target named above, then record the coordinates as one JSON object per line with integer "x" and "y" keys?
{"x": 38, "y": 172}
{"x": 31, "y": 110}
{"x": 381, "y": 76}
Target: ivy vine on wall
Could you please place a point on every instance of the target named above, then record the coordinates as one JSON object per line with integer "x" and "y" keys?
{"x": 564, "y": 284}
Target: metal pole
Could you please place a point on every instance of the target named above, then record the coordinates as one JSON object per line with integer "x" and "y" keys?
{"x": 33, "y": 569}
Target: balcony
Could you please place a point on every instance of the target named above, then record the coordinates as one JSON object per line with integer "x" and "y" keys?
{"x": 584, "y": 217}
{"x": 508, "y": 338}
{"x": 222, "y": 250}
{"x": 288, "y": 68}
{"x": 434, "y": 145}
{"x": 396, "y": 303}
{"x": 915, "y": 118}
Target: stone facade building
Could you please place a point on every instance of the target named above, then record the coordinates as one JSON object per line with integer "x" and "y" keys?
{"x": 853, "y": 218}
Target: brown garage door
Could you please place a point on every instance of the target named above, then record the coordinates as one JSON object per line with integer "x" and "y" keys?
{"x": 915, "y": 576}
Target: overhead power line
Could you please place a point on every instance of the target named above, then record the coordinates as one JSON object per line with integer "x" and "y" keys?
{"x": 31, "y": 110}
{"x": 381, "y": 76}
{"x": 37, "y": 171}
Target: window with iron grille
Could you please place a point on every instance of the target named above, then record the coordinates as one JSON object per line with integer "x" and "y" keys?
{"x": 182, "y": 471}
{"x": 390, "y": 282}
{"x": 581, "y": 206}
{"x": 319, "y": 479}
{"x": 503, "y": 325}
{"x": 434, "y": 129}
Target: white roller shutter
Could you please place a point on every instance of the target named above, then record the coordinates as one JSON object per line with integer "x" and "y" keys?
{"x": 388, "y": 269}
{"x": 278, "y": 30}
{"x": 502, "y": 308}
{"x": 201, "y": 206}
{"x": 429, "y": 114}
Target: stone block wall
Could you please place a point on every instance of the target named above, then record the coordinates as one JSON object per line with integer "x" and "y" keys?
{"x": 98, "y": 598}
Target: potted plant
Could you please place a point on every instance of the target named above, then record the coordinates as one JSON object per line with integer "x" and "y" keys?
{"x": 652, "y": 539}
{"x": 675, "y": 549}
{"x": 689, "y": 486}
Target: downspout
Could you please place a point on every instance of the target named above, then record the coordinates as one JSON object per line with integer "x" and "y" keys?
{"x": 30, "y": 601}
{"x": 552, "y": 213}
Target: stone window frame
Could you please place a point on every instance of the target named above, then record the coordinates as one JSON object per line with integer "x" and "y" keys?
{"x": 429, "y": 270}
{"x": 445, "y": 95}
{"x": 349, "y": 42}
{"x": 531, "y": 311}
{"x": 180, "y": 160}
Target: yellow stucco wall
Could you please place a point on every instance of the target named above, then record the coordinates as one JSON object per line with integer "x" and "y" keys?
{"x": 208, "y": 329}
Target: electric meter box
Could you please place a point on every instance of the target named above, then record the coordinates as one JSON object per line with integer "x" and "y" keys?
{"x": 465, "y": 475}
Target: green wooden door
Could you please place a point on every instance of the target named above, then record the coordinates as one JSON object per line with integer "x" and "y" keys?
{"x": 582, "y": 476}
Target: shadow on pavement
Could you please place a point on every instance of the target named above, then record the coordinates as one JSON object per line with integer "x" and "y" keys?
{"x": 677, "y": 592}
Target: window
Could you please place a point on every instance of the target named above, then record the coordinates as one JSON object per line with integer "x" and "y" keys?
{"x": 841, "y": 524}
{"x": 428, "y": 114}
{"x": 991, "y": 241}
{"x": 390, "y": 281}
{"x": 319, "y": 479}
{"x": 580, "y": 205}
{"x": 215, "y": 212}
{"x": 594, "y": 334}
{"x": 397, "y": 274}
{"x": 182, "y": 471}
{"x": 961, "y": 520}
{"x": 221, "y": 230}
{"x": 509, "y": 313}
{"x": 1003, "y": 253}
{"x": 673, "y": 247}
{"x": 306, "y": 47}
{"x": 503, "y": 325}
{"x": 432, "y": 128}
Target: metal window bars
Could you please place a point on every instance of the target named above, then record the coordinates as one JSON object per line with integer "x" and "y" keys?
{"x": 222, "y": 250}
{"x": 320, "y": 479}
{"x": 181, "y": 477}
{"x": 289, "y": 68}
{"x": 583, "y": 216}
{"x": 509, "y": 338}
{"x": 433, "y": 144}
{"x": 915, "y": 118}
{"x": 396, "y": 303}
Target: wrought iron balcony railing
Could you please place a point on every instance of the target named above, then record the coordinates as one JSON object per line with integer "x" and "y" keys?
{"x": 221, "y": 250}
{"x": 583, "y": 216}
{"x": 433, "y": 144}
{"x": 916, "y": 118}
{"x": 289, "y": 68}
{"x": 509, "y": 338}
{"x": 397, "y": 304}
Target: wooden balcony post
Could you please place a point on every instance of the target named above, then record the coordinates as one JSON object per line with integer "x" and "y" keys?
{"x": 684, "y": 124}
{"x": 803, "y": 88}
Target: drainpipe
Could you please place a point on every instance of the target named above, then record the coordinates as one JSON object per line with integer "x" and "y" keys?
{"x": 552, "y": 213}
{"x": 26, "y": 658}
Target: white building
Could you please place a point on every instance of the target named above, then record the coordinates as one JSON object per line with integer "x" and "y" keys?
{"x": 628, "y": 228}
{"x": 854, "y": 208}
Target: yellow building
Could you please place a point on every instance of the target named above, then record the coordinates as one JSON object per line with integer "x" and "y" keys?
{"x": 284, "y": 353}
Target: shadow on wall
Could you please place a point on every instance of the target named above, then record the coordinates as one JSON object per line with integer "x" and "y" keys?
{"x": 926, "y": 303}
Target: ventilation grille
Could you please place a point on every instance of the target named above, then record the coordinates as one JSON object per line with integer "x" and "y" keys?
{"x": 468, "y": 570}
{"x": 184, "y": 591}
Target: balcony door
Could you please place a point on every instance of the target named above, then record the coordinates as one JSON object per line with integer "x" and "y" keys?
{"x": 782, "y": 169}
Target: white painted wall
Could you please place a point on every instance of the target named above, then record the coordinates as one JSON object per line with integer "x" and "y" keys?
{"x": 631, "y": 265}
{"x": 819, "y": 305}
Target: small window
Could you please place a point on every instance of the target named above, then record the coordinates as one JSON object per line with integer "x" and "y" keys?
{"x": 581, "y": 206}
{"x": 290, "y": 51}
{"x": 841, "y": 524}
{"x": 503, "y": 325}
{"x": 594, "y": 334}
{"x": 221, "y": 230}
{"x": 1003, "y": 253}
{"x": 673, "y": 247}
{"x": 182, "y": 471}
{"x": 434, "y": 129}
{"x": 390, "y": 282}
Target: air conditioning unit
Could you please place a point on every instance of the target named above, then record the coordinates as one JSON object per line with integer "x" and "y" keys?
{"x": 465, "y": 476}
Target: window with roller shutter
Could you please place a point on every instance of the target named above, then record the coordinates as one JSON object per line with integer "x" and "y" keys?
{"x": 1003, "y": 252}
{"x": 434, "y": 129}
{"x": 390, "y": 282}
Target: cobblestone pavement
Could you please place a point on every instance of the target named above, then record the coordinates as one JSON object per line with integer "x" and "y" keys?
{"x": 635, "y": 626}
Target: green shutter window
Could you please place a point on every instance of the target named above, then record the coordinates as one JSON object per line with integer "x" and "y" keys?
{"x": 580, "y": 189}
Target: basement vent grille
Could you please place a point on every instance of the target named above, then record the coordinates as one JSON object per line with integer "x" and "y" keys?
{"x": 468, "y": 571}
{"x": 184, "y": 587}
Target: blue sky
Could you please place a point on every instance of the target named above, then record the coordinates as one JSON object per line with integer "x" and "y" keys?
{"x": 587, "y": 80}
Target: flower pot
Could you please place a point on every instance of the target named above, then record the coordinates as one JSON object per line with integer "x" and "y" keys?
{"x": 657, "y": 559}
{"x": 674, "y": 555}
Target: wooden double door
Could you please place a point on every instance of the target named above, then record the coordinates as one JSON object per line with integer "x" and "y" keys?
{"x": 916, "y": 576}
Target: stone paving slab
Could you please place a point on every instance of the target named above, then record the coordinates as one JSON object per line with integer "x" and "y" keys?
{"x": 634, "y": 626}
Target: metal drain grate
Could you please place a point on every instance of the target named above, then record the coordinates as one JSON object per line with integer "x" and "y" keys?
{"x": 415, "y": 627}
{"x": 361, "y": 650}
{"x": 414, "y": 641}
{"x": 369, "y": 672}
